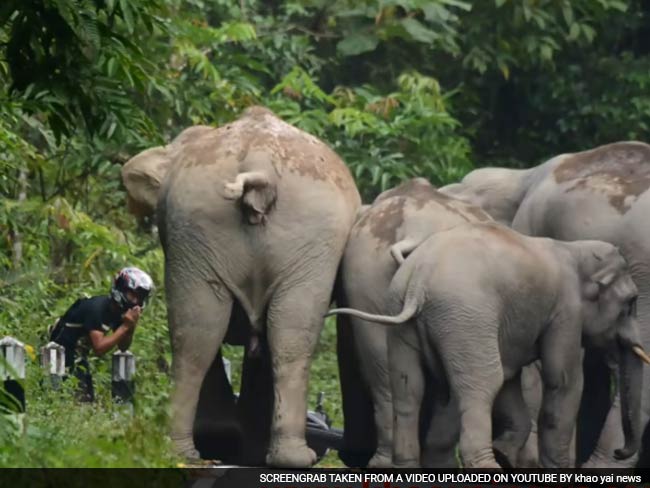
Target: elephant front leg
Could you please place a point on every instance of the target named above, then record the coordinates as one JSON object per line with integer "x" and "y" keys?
{"x": 562, "y": 388}
{"x": 407, "y": 388}
{"x": 294, "y": 322}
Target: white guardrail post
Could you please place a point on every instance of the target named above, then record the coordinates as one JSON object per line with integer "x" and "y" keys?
{"x": 12, "y": 373}
{"x": 53, "y": 363}
{"x": 123, "y": 384}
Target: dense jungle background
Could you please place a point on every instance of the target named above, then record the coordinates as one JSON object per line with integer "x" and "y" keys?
{"x": 398, "y": 88}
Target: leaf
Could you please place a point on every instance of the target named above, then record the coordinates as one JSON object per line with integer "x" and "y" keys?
{"x": 110, "y": 67}
{"x": 503, "y": 67}
{"x": 417, "y": 31}
{"x": 385, "y": 181}
{"x": 433, "y": 12}
{"x": 589, "y": 32}
{"x": 458, "y": 3}
{"x": 500, "y": 3}
{"x": 567, "y": 13}
{"x": 90, "y": 30}
{"x": 574, "y": 31}
{"x": 111, "y": 130}
{"x": 618, "y": 5}
{"x": 546, "y": 52}
{"x": 357, "y": 43}
{"x": 90, "y": 259}
{"x": 127, "y": 15}
{"x": 376, "y": 172}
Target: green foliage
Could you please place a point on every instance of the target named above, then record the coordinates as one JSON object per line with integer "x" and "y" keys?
{"x": 73, "y": 59}
{"x": 384, "y": 137}
{"x": 58, "y": 432}
{"x": 399, "y": 88}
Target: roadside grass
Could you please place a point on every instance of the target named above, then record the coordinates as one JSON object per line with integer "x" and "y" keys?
{"x": 57, "y": 431}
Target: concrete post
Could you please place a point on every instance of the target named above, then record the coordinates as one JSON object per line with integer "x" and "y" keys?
{"x": 53, "y": 363}
{"x": 123, "y": 384}
{"x": 12, "y": 373}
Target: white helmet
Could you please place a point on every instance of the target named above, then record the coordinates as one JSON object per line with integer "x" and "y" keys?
{"x": 136, "y": 280}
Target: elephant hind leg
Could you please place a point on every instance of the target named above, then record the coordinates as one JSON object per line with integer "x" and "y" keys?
{"x": 294, "y": 322}
{"x": 511, "y": 421}
{"x": 531, "y": 389}
{"x": 475, "y": 379}
{"x": 370, "y": 342}
{"x": 407, "y": 381}
{"x": 198, "y": 319}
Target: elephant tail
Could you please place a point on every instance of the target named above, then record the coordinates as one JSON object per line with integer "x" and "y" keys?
{"x": 409, "y": 310}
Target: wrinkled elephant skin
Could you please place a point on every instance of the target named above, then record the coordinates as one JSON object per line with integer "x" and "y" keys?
{"x": 481, "y": 301}
{"x": 596, "y": 194}
{"x": 384, "y": 232}
{"x": 255, "y": 215}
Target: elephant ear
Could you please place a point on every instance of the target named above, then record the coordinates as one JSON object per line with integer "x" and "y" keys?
{"x": 142, "y": 176}
{"x": 144, "y": 173}
{"x": 626, "y": 290}
{"x": 605, "y": 276}
{"x": 612, "y": 274}
{"x": 600, "y": 279}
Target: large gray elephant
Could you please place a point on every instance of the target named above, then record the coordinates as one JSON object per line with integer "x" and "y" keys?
{"x": 384, "y": 232}
{"x": 480, "y": 301}
{"x": 253, "y": 219}
{"x": 597, "y": 194}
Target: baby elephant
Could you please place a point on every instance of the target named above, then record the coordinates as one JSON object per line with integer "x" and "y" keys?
{"x": 479, "y": 302}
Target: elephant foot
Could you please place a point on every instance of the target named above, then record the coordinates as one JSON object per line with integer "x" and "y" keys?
{"x": 525, "y": 460}
{"x": 485, "y": 463}
{"x": 596, "y": 461}
{"x": 380, "y": 461}
{"x": 505, "y": 452}
{"x": 406, "y": 464}
{"x": 528, "y": 456}
{"x": 290, "y": 453}
{"x": 184, "y": 447}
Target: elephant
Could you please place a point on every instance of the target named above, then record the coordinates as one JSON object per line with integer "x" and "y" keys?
{"x": 253, "y": 218}
{"x": 384, "y": 232}
{"x": 602, "y": 194}
{"x": 143, "y": 174}
{"x": 477, "y": 303}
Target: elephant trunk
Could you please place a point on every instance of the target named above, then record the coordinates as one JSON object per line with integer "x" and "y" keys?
{"x": 630, "y": 390}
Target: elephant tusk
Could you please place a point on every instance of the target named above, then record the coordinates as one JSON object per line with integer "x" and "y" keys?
{"x": 638, "y": 350}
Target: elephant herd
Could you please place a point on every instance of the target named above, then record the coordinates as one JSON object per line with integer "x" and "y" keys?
{"x": 506, "y": 314}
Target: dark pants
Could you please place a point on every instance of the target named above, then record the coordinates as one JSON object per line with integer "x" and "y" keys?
{"x": 85, "y": 390}
{"x": 80, "y": 369}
